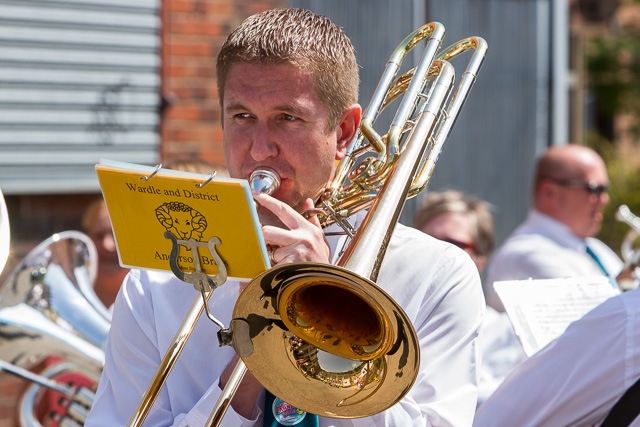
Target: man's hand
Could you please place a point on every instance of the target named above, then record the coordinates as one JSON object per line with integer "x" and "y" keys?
{"x": 304, "y": 239}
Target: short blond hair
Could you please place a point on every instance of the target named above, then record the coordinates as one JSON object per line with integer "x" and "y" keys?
{"x": 303, "y": 39}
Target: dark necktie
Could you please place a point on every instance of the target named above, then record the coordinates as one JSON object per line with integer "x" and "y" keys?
{"x": 279, "y": 413}
{"x": 597, "y": 260}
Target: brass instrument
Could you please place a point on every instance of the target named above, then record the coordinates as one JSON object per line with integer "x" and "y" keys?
{"x": 629, "y": 277}
{"x": 48, "y": 310}
{"x": 330, "y": 372}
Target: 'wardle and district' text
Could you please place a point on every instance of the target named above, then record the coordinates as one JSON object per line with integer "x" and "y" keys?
{"x": 187, "y": 194}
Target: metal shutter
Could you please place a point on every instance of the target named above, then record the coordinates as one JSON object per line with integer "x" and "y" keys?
{"x": 79, "y": 81}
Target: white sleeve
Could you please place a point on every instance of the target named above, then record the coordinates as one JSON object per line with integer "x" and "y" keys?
{"x": 132, "y": 358}
{"x": 447, "y": 387}
{"x": 574, "y": 380}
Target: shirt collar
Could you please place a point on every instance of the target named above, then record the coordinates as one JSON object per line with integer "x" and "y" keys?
{"x": 555, "y": 230}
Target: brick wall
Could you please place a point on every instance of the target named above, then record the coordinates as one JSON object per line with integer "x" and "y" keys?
{"x": 191, "y": 34}
{"x": 11, "y": 388}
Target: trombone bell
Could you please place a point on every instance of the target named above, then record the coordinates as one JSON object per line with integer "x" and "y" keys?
{"x": 307, "y": 353}
{"x": 308, "y": 307}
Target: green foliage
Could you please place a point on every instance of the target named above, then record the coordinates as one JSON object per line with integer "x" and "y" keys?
{"x": 613, "y": 64}
{"x": 613, "y": 69}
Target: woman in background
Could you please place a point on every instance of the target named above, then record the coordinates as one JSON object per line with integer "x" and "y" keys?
{"x": 466, "y": 221}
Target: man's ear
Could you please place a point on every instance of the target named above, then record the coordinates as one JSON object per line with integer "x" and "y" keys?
{"x": 550, "y": 195}
{"x": 347, "y": 129}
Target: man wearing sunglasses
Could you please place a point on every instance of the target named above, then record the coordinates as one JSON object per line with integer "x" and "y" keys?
{"x": 556, "y": 240}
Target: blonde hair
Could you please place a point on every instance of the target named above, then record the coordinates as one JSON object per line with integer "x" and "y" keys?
{"x": 477, "y": 210}
{"x": 303, "y": 39}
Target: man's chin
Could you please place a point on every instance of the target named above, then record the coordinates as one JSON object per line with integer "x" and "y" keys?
{"x": 595, "y": 229}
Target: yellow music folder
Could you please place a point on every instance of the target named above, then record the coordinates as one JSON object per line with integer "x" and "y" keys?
{"x": 145, "y": 203}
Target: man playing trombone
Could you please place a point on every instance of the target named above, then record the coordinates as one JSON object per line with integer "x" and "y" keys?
{"x": 288, "y": 84}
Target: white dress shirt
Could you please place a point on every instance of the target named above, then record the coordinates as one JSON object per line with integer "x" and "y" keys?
{"x": 437, "y": 285}
{"x": 544, "y": 248}
{"x": 576, "y": 379}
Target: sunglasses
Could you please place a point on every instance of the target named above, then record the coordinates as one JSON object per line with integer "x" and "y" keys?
{"x": 462, "y": 245}
{"x": 589, "y": 187}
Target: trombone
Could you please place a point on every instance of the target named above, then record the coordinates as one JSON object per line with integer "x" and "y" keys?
{"x": 378, "y": 173}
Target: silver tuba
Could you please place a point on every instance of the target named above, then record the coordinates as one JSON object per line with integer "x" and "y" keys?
{"x": 50, "y": 315}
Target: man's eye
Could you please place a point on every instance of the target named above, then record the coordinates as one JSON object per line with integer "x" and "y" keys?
{"x": 288, "y": 117}
{"x": 242, "y": 116}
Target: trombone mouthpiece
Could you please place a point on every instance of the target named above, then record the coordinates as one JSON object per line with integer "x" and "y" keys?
{"x": 264, "y": 181}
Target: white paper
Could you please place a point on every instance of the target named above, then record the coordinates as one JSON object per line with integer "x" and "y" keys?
{"x": 541, "y": 310}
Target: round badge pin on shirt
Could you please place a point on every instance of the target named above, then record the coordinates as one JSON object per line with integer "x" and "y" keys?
{"x": 286, "y": 414}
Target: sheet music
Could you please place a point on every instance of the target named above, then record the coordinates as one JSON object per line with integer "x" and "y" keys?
{"x": 541, "y": 310}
